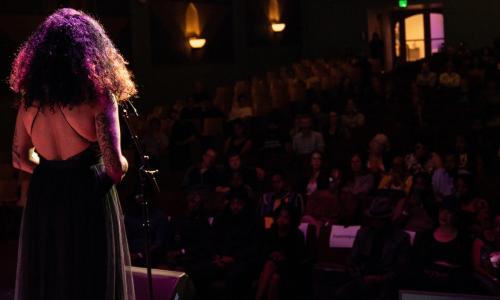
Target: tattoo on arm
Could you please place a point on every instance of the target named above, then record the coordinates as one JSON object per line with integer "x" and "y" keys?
{"x": 21, "y": 143}
{"x": 16, "y": 153}
{"x": 108, "y": 136}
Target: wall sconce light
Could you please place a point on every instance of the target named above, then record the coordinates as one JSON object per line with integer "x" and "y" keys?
{"x": 278, "y": 27}
{"x": 196, "y": 42}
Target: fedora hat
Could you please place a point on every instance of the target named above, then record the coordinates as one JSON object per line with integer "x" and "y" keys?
{"x": 380, "y": 208}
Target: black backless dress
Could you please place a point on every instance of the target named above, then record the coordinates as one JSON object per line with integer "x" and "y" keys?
{"x": 72, "y": 244}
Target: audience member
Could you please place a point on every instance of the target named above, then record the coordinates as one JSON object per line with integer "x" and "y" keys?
{"x": 183, "y": 135}
{"x": 380, "y": 256}
{"x": 352, "y": 118}
{"x": 191, "y": 248}
{"x": 316, "y": 172}
{"x": 307, "y": 140}
{"x": 203, "y": 176}
{"x": 136, "y": 236}
{"x": 322, "y": 207}
{"x": 449, "y": 78}
{"x": 336, "y": 138}
{"x": 486, "y": 252}
{"x": 444, "y": 253}
{"x": 412, "y": 212}
{"x": 426, "y": 78}
{"x": 470, "y": 206}
{"x": 359, "y": 182}
{"x": 397, "y": 178}
{"x": 236, "y": 242}
{"x": 283, "y": 255}
{"x": 234, "y": 166}
{"x": 421, "y": 159}
{"x": 377, "y": 151}
{"x": 238, "y": 142}
{"x": 443, "y": 178}
{"x": 280, "y": 195}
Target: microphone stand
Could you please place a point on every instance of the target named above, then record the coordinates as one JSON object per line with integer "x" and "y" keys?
{"x": 146, "y": 174}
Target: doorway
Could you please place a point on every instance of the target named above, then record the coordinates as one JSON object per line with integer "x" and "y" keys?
{"x": 417, "y": 33}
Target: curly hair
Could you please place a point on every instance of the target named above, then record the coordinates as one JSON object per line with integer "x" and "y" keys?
{"x": 67, "y": 61}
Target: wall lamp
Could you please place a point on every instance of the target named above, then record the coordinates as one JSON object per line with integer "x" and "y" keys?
{"x": 196, "y": 42}
{"x": 278, "y": 27}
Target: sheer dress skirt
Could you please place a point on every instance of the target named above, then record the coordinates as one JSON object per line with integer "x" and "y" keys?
{"x": 72, "y": 243}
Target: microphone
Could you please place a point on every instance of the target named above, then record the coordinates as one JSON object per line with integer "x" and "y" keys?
{"x": 127, "y": 104}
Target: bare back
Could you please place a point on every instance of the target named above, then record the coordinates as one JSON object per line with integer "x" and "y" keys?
{"x": 60, "y": 133}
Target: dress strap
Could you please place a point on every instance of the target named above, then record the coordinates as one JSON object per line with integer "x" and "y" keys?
{"x": 74, "y": 130}
{"x": 34, "y": 118}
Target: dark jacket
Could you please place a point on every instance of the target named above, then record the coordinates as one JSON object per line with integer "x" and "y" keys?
{"x": 381, "y": 253}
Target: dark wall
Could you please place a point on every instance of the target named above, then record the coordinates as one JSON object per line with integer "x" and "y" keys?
{"x": 238, "y": 45}
{"x": 334, "y": 27}
{"x": 339, "y": 27}
{"x": 477, "y": 22}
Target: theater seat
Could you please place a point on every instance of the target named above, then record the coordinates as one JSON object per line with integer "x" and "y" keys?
{"x": 213, "y": 127}
{"x": 328, "y": 258}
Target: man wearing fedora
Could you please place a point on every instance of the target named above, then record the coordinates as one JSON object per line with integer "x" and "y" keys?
{"x": 380, "y": 255}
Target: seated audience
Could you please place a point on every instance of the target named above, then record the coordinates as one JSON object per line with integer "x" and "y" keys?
{"x": 203, "y": 176}
{"x": 274, "y": 145}
{"x": 449, "y": 78}
{"x": 426, "y": 78}
{"x": 238, "y": 142}
{"x": 134, "y": 220}
{"x": 467, "y": 160}
{"x": 377, "y": 150}
{"x": 307, "y": 140}
{"x": 471, "y": 207}
{"x": 415, "y": 211}
{"x": 309, "y": 184}
{"x": 352, "y": 118}
{"x": 421, "y": 159}
{"x": 262, "y": 181}
{"x": 236, "y": 242}
{"x": 182, "y": 136}
{"x": 380, "y": 256}
{"x": 443, "y": 178}
{"x": 322, "y": 206}
{"x": 336, "y": 139}
{"x": 486, "y": 252}
{"x": 280, "y": 195}
{"x": 447, "y": 201}
{"x": 444, "y": 253}
{"x": 238, "y": 186}
{"x": 397, "y": 178}
{"x": 191, "y": 248}
{"x": 234, "y": 166}
{"x": 283, "y": 254}
{"x": 359, "y": 182}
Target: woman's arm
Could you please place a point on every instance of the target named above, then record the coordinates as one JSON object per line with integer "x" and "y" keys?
{"x": 21, "y": 144}
{"x": 476, "y": 259}
{"x": 108, "y": 135}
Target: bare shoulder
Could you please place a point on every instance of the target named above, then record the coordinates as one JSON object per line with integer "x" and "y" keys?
{"x": 104, "y": 105}
{"x": 27, "y": 115}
